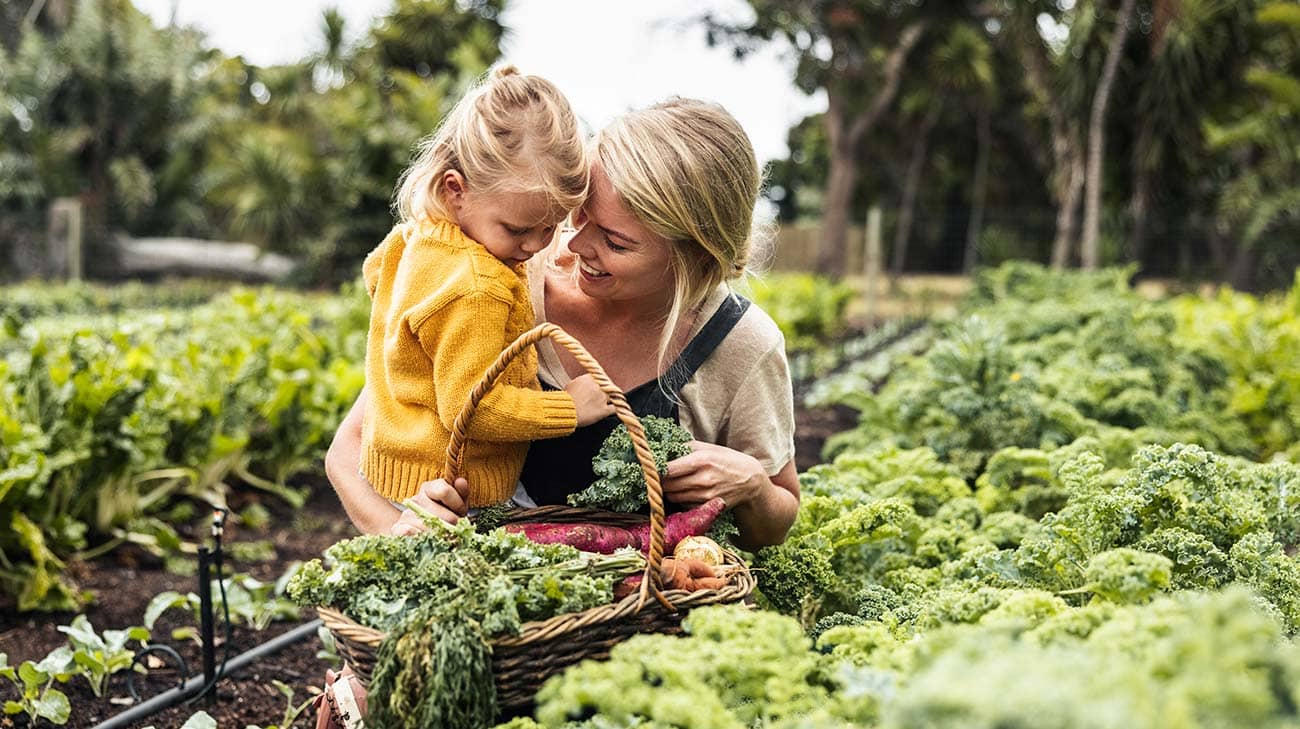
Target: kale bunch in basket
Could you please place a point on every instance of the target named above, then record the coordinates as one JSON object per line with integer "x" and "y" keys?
{"x": 441, "y": 596}
{"x": 620, "y": 486}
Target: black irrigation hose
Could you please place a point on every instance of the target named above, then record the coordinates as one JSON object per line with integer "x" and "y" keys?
{"x": 196, "y": 684}
{"x": 158, "y": 648}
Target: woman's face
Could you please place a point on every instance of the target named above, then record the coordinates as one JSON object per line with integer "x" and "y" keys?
{"x": 619, "y": 258}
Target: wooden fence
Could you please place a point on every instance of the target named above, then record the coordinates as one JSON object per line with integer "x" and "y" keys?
{"x": 795, "y": 247}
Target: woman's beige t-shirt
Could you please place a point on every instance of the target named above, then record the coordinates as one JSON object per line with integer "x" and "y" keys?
{"x": 741, "y": 397}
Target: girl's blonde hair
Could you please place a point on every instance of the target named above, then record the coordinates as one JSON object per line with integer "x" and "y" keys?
{"x": 510, "y": 133}
{"x": 686, "y": 169}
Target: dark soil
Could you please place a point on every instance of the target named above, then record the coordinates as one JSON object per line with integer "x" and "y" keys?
{"x": 124, "y": 582}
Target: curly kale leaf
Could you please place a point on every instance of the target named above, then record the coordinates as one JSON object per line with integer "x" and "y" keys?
{"x": 619, "y": 485}
{"x": 734, "y": 668}
{"x": 1128, "y": 576}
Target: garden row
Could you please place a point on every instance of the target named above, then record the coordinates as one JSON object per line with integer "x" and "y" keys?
{"x": 120, "y": 419}
{"x": 1078, "y": 508}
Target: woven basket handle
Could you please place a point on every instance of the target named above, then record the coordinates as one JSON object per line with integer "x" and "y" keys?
{"x": 654, "y": 490}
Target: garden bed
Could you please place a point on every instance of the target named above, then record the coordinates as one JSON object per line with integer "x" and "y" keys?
{"x": 125, "y": 581}
{"x": 123, "y": 584}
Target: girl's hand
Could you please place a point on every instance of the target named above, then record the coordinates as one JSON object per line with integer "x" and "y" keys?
{"x": 712, "y": 471}
{"x": 591, "y": 402}
{"x": 438, "y": 498}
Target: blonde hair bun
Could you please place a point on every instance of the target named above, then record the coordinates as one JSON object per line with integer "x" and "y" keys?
{"x": 505, "y": 69}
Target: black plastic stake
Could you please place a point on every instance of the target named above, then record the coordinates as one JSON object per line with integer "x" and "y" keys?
{"x": 206, "y": 633}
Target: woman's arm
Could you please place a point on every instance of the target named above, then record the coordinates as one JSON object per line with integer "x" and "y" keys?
{"x": 765, "y": 519}
{"x": 370, "y": 512}
{"x": 765, "y": 506}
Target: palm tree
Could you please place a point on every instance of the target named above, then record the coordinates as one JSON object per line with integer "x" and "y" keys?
{"x": 1192, "y": 47}
{"x": 1262, "y": 146}
{"x": 933, "y": 105}
{"x": 960, "y": 67}
{"x": 1047, "y": 79}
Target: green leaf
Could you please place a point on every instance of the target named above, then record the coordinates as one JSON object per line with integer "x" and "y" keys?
{"x": 82, "y": 634}
{"x": 285, "y": 688}
{"x": 31, "y": 675}
{"x": 54, "y": 706}
{"x": 161, "y": 603}
{"x": 90, "y": 661}
{"x": 58, "y": 663}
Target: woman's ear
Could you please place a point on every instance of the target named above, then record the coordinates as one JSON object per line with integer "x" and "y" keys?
{"x": 453, "y": 189}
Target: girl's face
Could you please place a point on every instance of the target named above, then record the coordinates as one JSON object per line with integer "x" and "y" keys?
{"x": 511, "y": 225}
{"x": 619, "y": 257}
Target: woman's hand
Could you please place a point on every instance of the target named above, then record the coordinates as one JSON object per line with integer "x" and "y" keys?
{"x": 443, "y": 500}
{"x": 764, "y": 506}
{"x": 711, "y": 471}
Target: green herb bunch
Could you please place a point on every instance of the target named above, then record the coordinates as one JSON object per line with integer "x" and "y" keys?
{"x": 441, "y": 596}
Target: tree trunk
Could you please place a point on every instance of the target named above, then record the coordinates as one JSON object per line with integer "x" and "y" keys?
{"x": 846, "y": 132}
{"x": 1244, "y": 266}
{"x": 1146, "y": 163}
{"x": 1068, "y": 192}
{"x": 1220, "y": 247}
{"x": 1139, "y": 208}
{"x": 1067, "y": 174}
{"x": 912, "y": 186}
{"x": 98, "y": 191}
{"x": 1090, "y": 246}
{"x": 841, "y": 179}
{"x": 983, "y": 133}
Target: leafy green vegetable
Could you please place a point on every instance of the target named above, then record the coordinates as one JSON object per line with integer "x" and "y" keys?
{"x": 100, "y": 656}
{"x": 441, "y": 596}
{"x": 619, "y": 484}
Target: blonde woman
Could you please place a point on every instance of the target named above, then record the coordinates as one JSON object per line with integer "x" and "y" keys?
{"x": 644, "y": 285}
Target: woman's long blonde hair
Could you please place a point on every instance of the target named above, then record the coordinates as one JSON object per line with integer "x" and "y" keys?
{"x": 510, "y": 133}
{"x": 686, "y": 169}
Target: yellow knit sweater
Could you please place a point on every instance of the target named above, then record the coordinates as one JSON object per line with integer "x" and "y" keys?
{"x": 442, "y": 309}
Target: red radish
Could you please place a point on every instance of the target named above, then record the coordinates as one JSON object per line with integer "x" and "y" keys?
{"x": 587, "y": 537}
{"x": 607, "y": 539}
{"x": 683, "y": 524}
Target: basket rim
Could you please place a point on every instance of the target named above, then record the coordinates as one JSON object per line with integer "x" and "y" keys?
{"x": 741, "y": 583}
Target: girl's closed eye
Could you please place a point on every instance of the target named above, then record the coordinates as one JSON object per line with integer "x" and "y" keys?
{"x": 609, "y": 242}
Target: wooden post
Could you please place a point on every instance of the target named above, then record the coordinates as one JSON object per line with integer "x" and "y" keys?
{"x": 65, "y": 236}
{"x": 871, "y": 252}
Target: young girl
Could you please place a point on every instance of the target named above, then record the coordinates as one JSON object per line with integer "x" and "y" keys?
{"x": 449, "y": 292}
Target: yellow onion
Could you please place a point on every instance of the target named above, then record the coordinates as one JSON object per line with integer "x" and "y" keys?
{"x": 701, "y": 548}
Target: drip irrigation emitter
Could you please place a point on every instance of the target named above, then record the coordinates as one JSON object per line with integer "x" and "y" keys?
{"x": 192, "y": 689}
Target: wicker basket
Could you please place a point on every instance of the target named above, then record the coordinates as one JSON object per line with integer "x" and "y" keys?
{"x": 521, "y": 663}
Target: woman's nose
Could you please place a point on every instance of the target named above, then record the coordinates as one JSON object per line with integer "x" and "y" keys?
{"x": 579, "y": 242}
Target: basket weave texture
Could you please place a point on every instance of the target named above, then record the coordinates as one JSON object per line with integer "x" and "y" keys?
{"x": 521, "y": 663}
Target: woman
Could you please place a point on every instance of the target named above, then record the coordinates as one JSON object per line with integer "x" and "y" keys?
{"x": 643, "y": 285}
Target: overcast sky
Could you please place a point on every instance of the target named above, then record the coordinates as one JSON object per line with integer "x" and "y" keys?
{"x": 606, "y": 55}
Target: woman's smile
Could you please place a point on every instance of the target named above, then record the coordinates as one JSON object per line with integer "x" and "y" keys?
{"x": 591, "y": 272}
